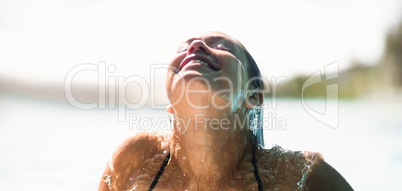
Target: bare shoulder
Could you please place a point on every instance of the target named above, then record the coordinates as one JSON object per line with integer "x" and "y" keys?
{"x": 129, "y": 157}
{"x": 324, "y": 177}
{"x": 294, "y": 170}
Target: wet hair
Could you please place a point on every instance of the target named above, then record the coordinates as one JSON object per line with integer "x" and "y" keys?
{"x": 253, "y": 71}
{"x": 256, "y": 114}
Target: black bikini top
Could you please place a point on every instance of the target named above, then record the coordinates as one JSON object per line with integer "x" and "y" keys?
{"x": 166, "y": 160}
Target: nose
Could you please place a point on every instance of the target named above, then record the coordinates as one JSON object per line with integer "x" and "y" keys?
{"x": 197, "y": 45}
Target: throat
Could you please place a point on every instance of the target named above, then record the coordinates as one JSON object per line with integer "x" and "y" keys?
{"x": 211, "y": 160}
{"x": 210, "y": 165}
{"x": 209, "y": 155}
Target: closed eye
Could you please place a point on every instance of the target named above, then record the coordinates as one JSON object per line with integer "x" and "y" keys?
{"x": 183, "y": 48}
{"x": 221, "y": 47}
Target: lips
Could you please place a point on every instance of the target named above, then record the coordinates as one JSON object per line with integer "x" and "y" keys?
{"x": 202, "y": 59}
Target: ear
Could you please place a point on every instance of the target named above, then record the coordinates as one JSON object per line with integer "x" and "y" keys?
{"x": 255, "y": 99}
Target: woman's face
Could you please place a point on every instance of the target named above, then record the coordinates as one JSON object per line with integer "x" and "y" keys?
{"x": 209, "y": 68}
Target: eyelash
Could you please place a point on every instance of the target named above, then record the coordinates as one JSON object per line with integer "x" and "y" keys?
{"x": 182, "y": 50}
{"x": 218, "y": 47}
{"x": 221, "y": 47}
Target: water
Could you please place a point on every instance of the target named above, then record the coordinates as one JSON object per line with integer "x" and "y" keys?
{"x": 48, "y": 146}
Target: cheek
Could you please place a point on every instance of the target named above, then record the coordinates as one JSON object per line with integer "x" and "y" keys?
{"x": 175, "y": 62}
{"x": 233, "y": 72}
{"x": 232, "y": 81}
{"x": 171, "y": 77}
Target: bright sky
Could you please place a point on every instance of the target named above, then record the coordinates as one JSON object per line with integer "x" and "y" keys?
{"x": 42, "y": 40}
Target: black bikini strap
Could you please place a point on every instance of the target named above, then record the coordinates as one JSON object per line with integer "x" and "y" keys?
{"x": 164, "y": 163}
{"x": 256, "y": 174}
{"x": 155, "y": 180}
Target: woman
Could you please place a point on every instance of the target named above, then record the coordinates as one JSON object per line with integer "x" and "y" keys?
{"x": 215, "y": 88}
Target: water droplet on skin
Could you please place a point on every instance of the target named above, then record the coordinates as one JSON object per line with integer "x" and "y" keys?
{"x": 307, "y": 165}
{"x": 107, "y": 180}
{"x": 110, "y": 165}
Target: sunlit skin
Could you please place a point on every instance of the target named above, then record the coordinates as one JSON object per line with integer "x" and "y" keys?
{"x": 209, "y": 150}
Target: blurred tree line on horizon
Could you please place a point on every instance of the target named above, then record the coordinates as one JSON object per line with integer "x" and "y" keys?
{"x": 384, "y": 78}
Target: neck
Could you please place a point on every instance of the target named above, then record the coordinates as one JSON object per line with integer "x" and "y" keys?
{"x": 209, "y": 145}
